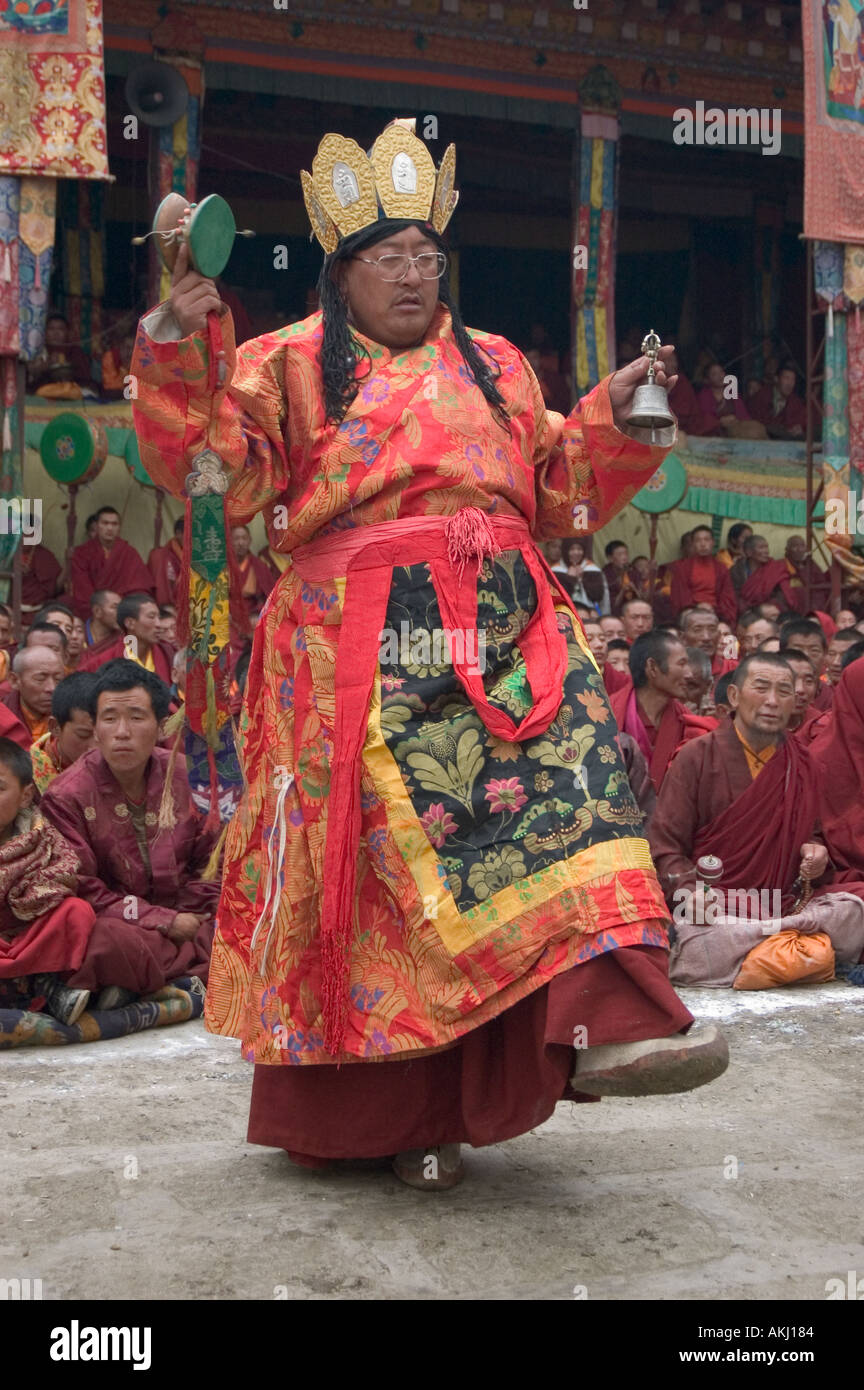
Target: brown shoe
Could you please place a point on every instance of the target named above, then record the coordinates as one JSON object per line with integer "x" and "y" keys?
{"x": 430, "y": 1170}
{"x": 654, "y": 1067}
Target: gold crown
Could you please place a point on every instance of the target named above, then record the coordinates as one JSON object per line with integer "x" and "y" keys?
{"x": 348, "y": 190}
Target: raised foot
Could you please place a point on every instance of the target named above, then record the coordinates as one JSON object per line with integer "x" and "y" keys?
{"x": 653, "y": 1067}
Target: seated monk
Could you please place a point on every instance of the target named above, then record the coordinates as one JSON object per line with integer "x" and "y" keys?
{"x": 76, "y": 645}
{"x": 36, "y": 673}
{"x": 44, "y": 928}
{"x": 255, "y": 578}
{"x": 685, "y": 405}
{"x": 618, "y": 658}
{"x": 700, "y": 627}
{"x": 752, "y": 630}
{"x": 703, "y": 579}
{"x": 758, "y": 579}
{"x": 806, "y": 686}
{"x": 102, "y": 623}
{"x": 637, "y": 617}
{"x": 58, "y": 614}
{"x": 136, "y": 639}
{"x": 652, "y": 711}
{"x": 70, "y": 729}
{"x": 837, "y": 755}
{"x": 747, "y": 795}
{"x": 803, "y": 570}
{"x": 142, "y": 845}
{"x": 738, "y": 533}
{"x": 805, "y": 635}
{"x": 277, "y": 562}
{"x": 167, "y": 629}
{"x": 107, "y": 562}
{"x": 165, "y": 563}
{"x": 613, "y": 679}
{"x": 781, "y": 411}
{"x": 50, "y": 636}
{"x": 699, "y": 684}
{"x": 40, "y": 577}
{"x": 838, "y": 646}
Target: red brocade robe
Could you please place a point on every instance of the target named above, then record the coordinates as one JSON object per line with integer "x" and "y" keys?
{"x": 471, "y": 870}
{"x": 119, "y": 569}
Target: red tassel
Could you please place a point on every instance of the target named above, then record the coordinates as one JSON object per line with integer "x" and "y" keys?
{"x": 470, "y": 537}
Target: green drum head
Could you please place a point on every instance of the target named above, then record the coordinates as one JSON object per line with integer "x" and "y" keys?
{"x": 67, "y": 447}
{"x": 211, "y": 235}
{"x": 132, "y": 455}
{"x": 666, "y": 489}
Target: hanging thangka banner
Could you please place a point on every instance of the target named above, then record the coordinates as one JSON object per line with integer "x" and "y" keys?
{"x": 833, "y": 120}
{"x": 52, "y": 89}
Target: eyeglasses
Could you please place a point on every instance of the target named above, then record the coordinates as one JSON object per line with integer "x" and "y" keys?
{"x": 430, "y": 265}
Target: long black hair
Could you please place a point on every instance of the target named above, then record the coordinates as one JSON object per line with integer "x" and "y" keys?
{"x": 340, "y": 350}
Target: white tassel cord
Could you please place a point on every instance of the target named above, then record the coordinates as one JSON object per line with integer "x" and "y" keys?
{"x": 274, "y": 869}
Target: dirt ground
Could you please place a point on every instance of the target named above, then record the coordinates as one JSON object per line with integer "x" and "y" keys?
{"x": 126, "y": 1174}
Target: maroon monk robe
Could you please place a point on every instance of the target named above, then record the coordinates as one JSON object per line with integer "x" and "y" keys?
{"x": 771, "y": 581}
{"x": 720, "y": 665}
{"x": 793, "y": 411}
{"x": 94, "y": 657}
{"x": 119, "y": 569}
{"x": 165, "y": 565}
{"x": 682, "y": 595}
{"x": 40, "y": 575}
{"x": 615, "y": 680}
{"x": 659, "y": 746}
{"x": 43, "y": 927}
{"x": 11, "y": 725}
{"x": 256, "y": 579}
{"x": 685, "y": 406}
{"x": 710, "y": 804}
{"x": 824, "y": 697}
{"x": 501, "y": 1080}
{"x": 837, "y": 755}
{"x": 134, "y": 905}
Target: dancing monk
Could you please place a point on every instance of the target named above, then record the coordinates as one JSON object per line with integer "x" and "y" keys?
{"x": 438, "y": 870}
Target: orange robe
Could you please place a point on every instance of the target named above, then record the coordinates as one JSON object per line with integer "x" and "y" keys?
{"x": 443, "y": 939}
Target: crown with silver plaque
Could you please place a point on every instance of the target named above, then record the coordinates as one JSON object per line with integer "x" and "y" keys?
{"x": 348, "y": 190}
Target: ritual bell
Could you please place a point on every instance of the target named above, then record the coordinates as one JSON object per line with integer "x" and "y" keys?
{"x": 650, "y": 408}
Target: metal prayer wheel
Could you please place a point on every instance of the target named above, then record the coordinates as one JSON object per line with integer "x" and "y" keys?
{"x": 710, "y": 869}
{"x": 650, "y": 408}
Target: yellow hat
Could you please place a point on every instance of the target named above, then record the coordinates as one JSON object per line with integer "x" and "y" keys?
{"x": 349, "y": 191}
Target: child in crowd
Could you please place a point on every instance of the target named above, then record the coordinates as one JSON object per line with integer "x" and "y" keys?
{"x": 44, "y": 928}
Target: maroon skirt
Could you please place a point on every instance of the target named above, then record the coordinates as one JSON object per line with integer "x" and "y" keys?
{"x": 500, "y": 1080}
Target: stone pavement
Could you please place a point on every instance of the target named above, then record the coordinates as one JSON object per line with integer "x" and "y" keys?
{"x": 127, "y": 1175}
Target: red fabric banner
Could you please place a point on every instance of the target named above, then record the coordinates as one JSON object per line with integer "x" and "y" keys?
{"x": 52, "y": 89}
{"x": 833, "y": 121}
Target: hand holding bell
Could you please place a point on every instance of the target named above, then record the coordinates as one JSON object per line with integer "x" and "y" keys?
{"x": 627, "y": 395}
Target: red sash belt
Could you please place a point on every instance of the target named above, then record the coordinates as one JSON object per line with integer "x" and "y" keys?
{"x": 366, "y": 557}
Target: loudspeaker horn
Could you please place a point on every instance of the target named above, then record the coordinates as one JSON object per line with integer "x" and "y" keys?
{"x": 157, "y": 93}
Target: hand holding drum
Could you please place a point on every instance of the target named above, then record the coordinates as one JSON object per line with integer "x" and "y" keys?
{"x": 193, "y": 296}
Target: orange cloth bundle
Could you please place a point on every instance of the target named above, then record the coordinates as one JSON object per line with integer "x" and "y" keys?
{"x": 785, "y": 958}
